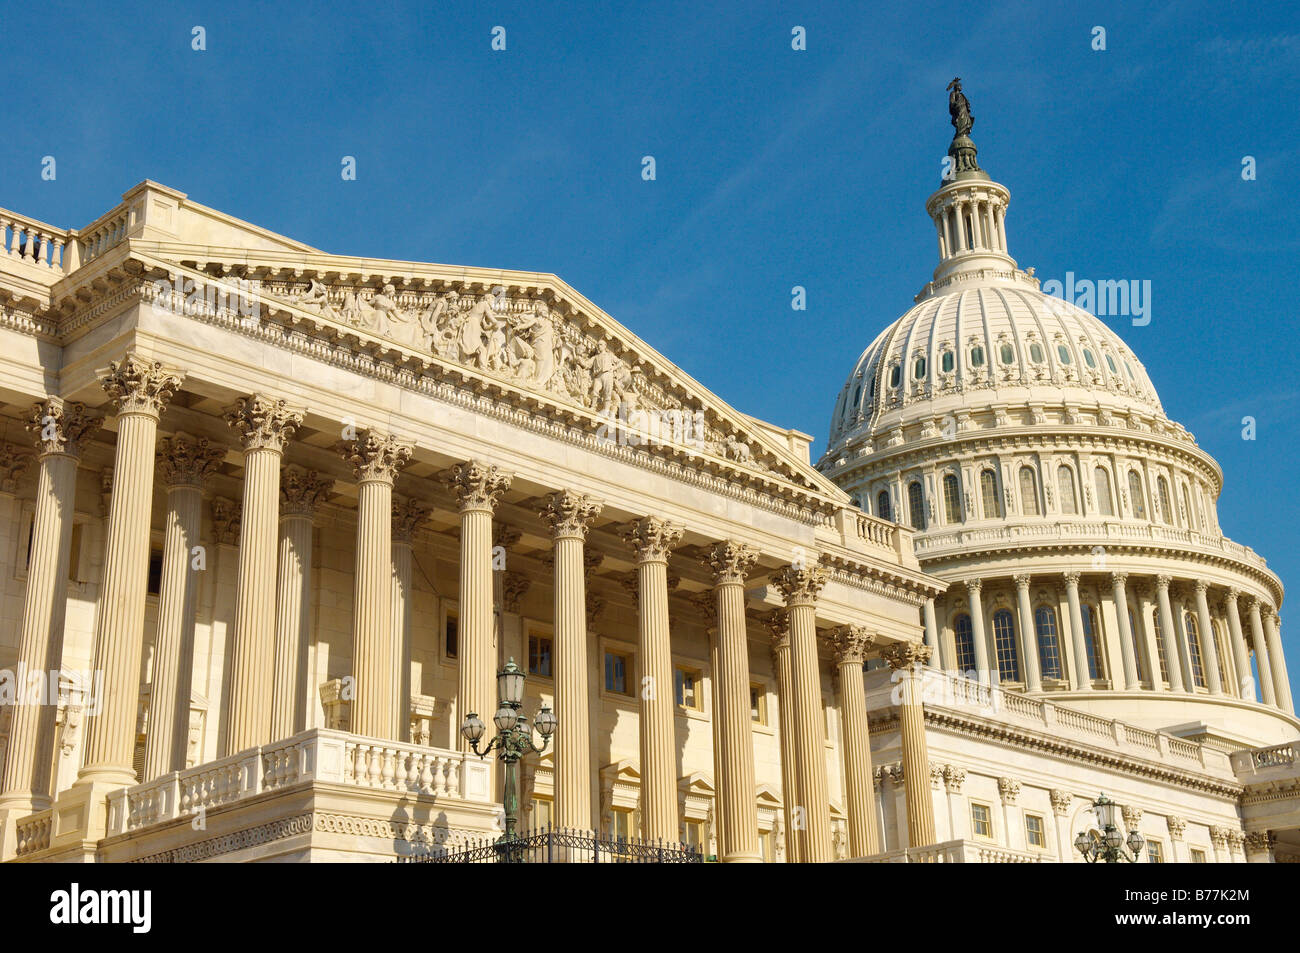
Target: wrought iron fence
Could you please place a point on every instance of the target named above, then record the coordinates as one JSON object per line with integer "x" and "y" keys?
{"x": 552, "y": 846}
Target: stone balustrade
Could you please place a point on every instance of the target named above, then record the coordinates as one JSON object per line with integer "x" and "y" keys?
{"x": 34, "y": 833}
{"x": 953, "y": 852}
{"x": 25, "y": 239}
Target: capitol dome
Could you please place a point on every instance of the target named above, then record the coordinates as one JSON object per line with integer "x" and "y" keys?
{"x": 1023, "y": 446}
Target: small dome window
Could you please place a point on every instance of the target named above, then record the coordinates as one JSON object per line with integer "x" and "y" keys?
{"x": 1036, "y": 353}
{"x": 918, "y": 368}
{"x": 946, "y": 362}
{"x": 1129, "y": 367}
{"x": 977, "y": 356}
{"x": 1063, "y": 353}
{"x": 1007, "y": 354}
{"x": 895, "y": 375}
{"x": 1111, "y": 364}
{"x": 857, "y": 395}
{"x": 1087, "y": 356}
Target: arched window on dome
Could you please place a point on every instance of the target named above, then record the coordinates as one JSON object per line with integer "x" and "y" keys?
{"x": 989, "y": 495}
{"x": 882, "y": 505}
{"x": 951, "y": 498}
{"x": 1137, "y": 648}
{"x": 1166, "y": 507}
{"x": 1194, "y": 648}
{"x": 1092, "y": 641}
{"x": 1036, "y": 352}
{"x": 1187, "y": 506}
{"x": 964, "y": 642}
{"x": 1135, "y": 492}
{"x": 857, "y": 398}
{"x": 1105, "y": 500}
{"x": 1049, "y": 649}
{"x": 1110, "y": 362}
{"x": 1063, "y": 353}
{"x": 946, "y": 362}
{"x": 895, "y": 375}
{"x": 916, "y": 504}
{"x": 1028, "y": 492}
{"x": 1160, "y": 645}
{"x": 1065, "y": 489}
{"x": 977, "y": 356}
{"x": 1221, "y": 644}
{"x": 1004, "y": 641}
{"x": 1129, "y": 367}
{"x": 1008, "y": 354}
{"x": 918, "y": 369}
{"x": 1088, "y": 358}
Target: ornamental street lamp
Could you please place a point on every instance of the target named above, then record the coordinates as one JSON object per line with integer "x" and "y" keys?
{"x": 514, "y": 737}
{"x": 1108, "y": 844}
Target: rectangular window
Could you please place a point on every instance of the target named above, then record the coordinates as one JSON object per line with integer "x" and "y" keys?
{"x": 539, "y": 655}
{"x": 620, "y": 824}
{"x": 686, "y": 688}
{"x": 1034, "y": 834}
{"x": 1198, "y": 856}
{"x": 758, "y": 704}
{"x": 981, "y": 820}
{"x": 451, "y": 635}
{"x": 618, "y": 671}
{"x": 541, "y": 813}
{"x": 1155, "y": 853}
{"x": 693, "y": 832}
{"x": 767, "y": 841}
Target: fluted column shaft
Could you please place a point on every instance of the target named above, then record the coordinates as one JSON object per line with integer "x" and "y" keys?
{"x": 141, "y": 389}
{"x": 25, "y": 774}
{"x": 906, "y": 660}
{"x": 651, "y": 539}
{"x": 1240, "y": 653}
{"x": 931, "y": 632}
{"x": 1263, "y": 659}
{"x": 292, "y": 634}
{"x": 1028, "y": 636}
{"x": 1281, "y": 684}
{"x": 851, "y": 643}
{"x": 1081, "y": 677}
{"x": 782, "y": 666}
{"x": 1172, "y": 660}
{"x": 1119, "y": 595}
{"x": 986, "y": 673}
{"x": 1209, "y": 650}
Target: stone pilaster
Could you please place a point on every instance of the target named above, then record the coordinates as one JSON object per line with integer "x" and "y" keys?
{"x": 651, "y": 539}
{"x": 183, "y": 464}
{"x": 800, "y": 586}
{"x": 1169, "y": 631}
{"x": 906, "y": 659}
{"x": 61, "y": 429}
{"x": 783, "y": 667}
{"x": 1263, "y": 658}
{"x": 851, "y": 643}
{"x": 478, "y": 487}
{"x": 1028, "y": 635}
{"x": 1209, "y": 646}
{"x": 569, "y": 516}
{"x": 1119, "y": 595}
{"x": 1240, "y": 653}
{"x": 301, "y": 493}
{"x": 407, "y": 517}
{"x": 264, "y": 425}
{"x": 141, "y": 389}
{"x": 376, "y": 460}
{"x": 1081, "y": 678}
{"x": 730, "y": 562}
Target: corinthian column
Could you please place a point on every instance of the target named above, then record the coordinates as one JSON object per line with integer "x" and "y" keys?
{"x": 478, "y": 486}
{"x": 1127, "y": 652}
{"x": 569, "y": 516}
{"x": 1028, "y": 636}
{"x": 60, "y": 432}
{"x": 800, "y": 586}
{"x": 1082, "y": 676}
{"x": 1240, "y": 654}
{"x": 730, "y": 562}
{"x": 986, "y": 673}
{"x": 301, "y": 492}
{"x": 906, "y": 659}
{"x": 183, "y": 463}
{"x": 1281, "y": 684}
{"x": 1263, "y": 661}
{"x": 264, "y": 426}
{"x": 376, "y": 459}
{"x": 782, "y": 666}
{"x": 1169, "y": 633}
{"x": 707, "y": 604}
{"x": 851, "y": 643}
{"x": 1209, "y": 648}
{"x": 141, "y": 389}
{"x": 407, "y": 517}
{"x": 651, "y": 540}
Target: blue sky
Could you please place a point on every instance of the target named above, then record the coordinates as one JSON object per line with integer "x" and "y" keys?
{"x": 775, "y": 168}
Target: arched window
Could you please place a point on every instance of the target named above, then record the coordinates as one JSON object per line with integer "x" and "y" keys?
{"x": 895, "y": 375}
{"x": 918, "y": 368}
{"x": 1135, "y": 491}
{"x": 1160, "y": 645}
{"x": 857, "y": 396}
{"x": 1036, "y": 353}
{"x": 1194, "y": 648}
{"x": 1028, "y": 492}
{"x": 1137, "y": 649}
{"x": 964, "y": 640}
{"x": 916, "y": 504}
{"x": 977, "y": 356}
{"x": 946, "y": 362}
{"x": 1065, "y": 487}
{"x": 1092, "y": 642}
{"x": 1063, "y": 353}
{"x": 1110, "y": 362}
{"x": 882, "y": 505}
{"x": 989, "y": 495}
{"x": 1105, "y": 502}
{"x": 951, "y": 498}
{"x": 1049, "y": 650}
{"x": 1166, "y": 508}
{"x": 1187, "y": 505}
{"x": 1221, "y": 644}
{"x": 1004, "y": 640}
{"x": 1008, "y": 354}
{"x": 1087, "y": 356}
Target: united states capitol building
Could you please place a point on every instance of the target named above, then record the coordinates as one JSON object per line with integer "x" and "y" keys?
{"x": 272, "y": 520}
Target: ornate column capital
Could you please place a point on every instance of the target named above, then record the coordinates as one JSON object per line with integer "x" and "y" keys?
{"x": 800, "y": 586}
{"x": 851, "y": 643}
{"x": 730, "y": 561}
{"x": 514, "y": 585}
{"x": 478, "y": 485}
{"x": 14, "y": 462}
{"x": 407, "y": 517}
{"x": 375, "y": 457}
{"x": 302, "y": 491}
{"x": 974, "y": 585}
{"x": 1259, "y": 841}
{"x": 1061, "y": 801}
{"x": 139, "y": 386}
{"x": 1119, "y": 579}
{"x": 184, "y": 460}
{"x": 1252, "y": 603}
{"x": 1162, "y": 582}
{"x": 1072, "y": 578}
{"x": 905, "y": 656}
{"x": 1132, "y": 816}
{"x": 953, "y": 778}
{"x": 652, "y": 539}
{"x": 1219, "y": 837}
{"x": 505, "y": 536}
{"x": 1177, "y": 826}
{"x": 1022, "y": 580}
{"x": 569, "y": 514}
{"x": 61, "y": 427}
{"x": 1201, "y": 585}
{"x": 936, "y": 775}
{"x": 706, "y": 603}
{"x": 1008, "y": 790}
{"x": 263, "y": 423}
{"x": 226, "y": 516}
{"x": 1232, "y": 594}
{"x": 778, "y": 623}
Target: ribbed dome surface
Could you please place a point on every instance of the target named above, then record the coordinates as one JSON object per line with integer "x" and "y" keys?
{"x": 999, "y": 340}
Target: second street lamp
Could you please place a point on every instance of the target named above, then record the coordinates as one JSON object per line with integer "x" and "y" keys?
{"x": 1108, "y": 843}
{"x": 514, "y": 737}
